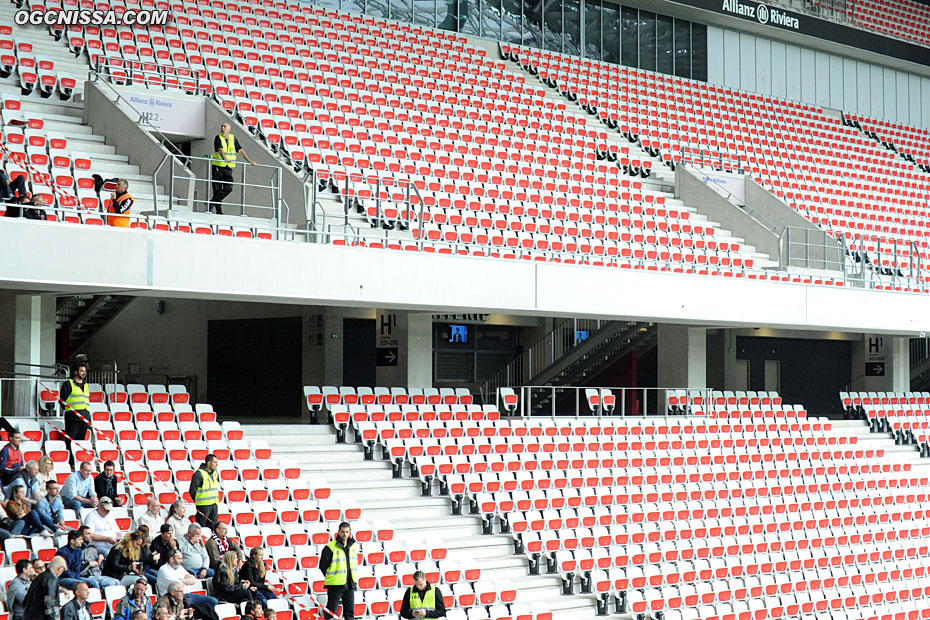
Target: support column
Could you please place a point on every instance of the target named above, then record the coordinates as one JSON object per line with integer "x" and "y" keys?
{"x": 33, "y": 346}
{"x": 405, "y": 349}
{"x": 332, "y": 346}
{"x": 682, "y": 356}
{"x": 882, "y": 364}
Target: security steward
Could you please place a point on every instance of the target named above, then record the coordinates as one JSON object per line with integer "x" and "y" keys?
{"x": 338, "y": 562}
{"x": 120, "y": 202}
{"x": 75, "y": 394}
{"x": 205, "y": 491}
{"x": 225, "y": 149}
{"x": 422, "y": 600}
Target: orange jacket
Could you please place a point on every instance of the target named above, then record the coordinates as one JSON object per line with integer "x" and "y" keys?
{"x": 121, "y": 205}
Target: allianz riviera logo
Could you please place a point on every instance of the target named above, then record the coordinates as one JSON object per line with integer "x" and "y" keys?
{"x": 761, "y": 13}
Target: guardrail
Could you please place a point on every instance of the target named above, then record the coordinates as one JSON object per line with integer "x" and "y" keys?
{"x": 629, "y": 401}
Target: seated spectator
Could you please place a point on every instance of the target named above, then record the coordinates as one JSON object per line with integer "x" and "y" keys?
{"x": 136, "y": 599}
{"x": 50, "y": 509}
{"x": 226, "y": 583}
{"x": 151, "y": 517}
{"x": 253, "y": 571}
{"x": 140, "y": 614}
{"x": 44, "y": 475}
{"x": 38, "y": 565}
{"x": 196, "y": 560}
{"x": 92, "y": 562}
{"x": 219, "y": 544}
{"x": 17, "y": 588}
{"x": 270, "y": 614}
{"x": 77, "y": 608}
{"x": 103, "y": 528}
{"x": 163, "y": 545}
{"x": 10, "y": 190}
{"x": 105, "y": 483}
{"x": 172, "y": 572}
{"x": 73, "y": 553}
{"x": 11, "y": 458}
{"x": 27, "y": 477}
{"x": 23, "y": 519}
{"x": 253, "y": 611}
{"x": 78, "y": 491}
{"x": 177, "y": 518}
{"x": 124, "y": 561}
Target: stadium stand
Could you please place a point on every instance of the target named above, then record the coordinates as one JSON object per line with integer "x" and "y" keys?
{"x": 834, "y": 176}
{"x": 903, "y": 19}
{"x": 908, "y": 142}
{"x": 900, "y": 413}
{"x": 744, "y": 508}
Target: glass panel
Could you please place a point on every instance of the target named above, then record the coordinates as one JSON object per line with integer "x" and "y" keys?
{"x": 552, "y": 33}
{"x": 629, "y": 40}
{"x": 424, "y": 12}
{"x": 647, "y": 40}
{"x": 353, "y": 6}
{"x": 445, "y": 14}
{"x": 491, "y": 19}
{"x": 664, "y": 48}
{"x": 376, "y": 8}
{"x": 469, "y": 16}
{"x": 327, "y": 4}
{"x": 699, "y": 52}
{"x": 402, "y": 10}
{"x": 571, "y": 16}
{"x": 610, "y": 23}
{"x": 511, "y": 21}
{"x": 532, "y": 23}
{"x": 682, "y": 48}
{"x": 592, "y": 29}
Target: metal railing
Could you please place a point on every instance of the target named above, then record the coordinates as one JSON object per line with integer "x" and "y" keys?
{"x": 630, "y": 401}
{"x": 700, "y": 157}
{"x": 564, "y": 338}
{"x": 810, "y": 248}
{"x": 869, "y": 257}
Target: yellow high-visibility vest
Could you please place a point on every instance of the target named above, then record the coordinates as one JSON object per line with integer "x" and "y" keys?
{"x": 229, "y": 147}
{"x": 209, "y": 491}
{"x": 79, "y": 399}
{"x": 428, "y": 602}
{"x": 336, "y": 572}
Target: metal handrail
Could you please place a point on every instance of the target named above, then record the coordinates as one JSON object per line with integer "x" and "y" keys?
{"x": 630, "y": 401}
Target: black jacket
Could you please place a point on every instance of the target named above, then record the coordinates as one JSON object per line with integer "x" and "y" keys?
{"x": 326, "y": 558}
{"x": 249, "y": 573}
{"x": 117, "y": 565}
{"x": 222, "y": 586}
{"x": 158, "y": 546}
{"x": 41, "y": 602}
{"x": 106, "y": 487}
{"x": 438, "y": 612}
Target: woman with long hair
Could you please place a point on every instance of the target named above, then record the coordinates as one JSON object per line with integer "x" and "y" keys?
{"x": 227, "y": 586}
{"x": 253, "y": 571}
{"x": 124, "y": 561}
{"x": 23, "y": 519}
{"x": 177, "y": 518}
{"x": 44, "y": 475}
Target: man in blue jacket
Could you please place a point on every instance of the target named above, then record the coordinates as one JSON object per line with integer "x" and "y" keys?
{"x": 73, "y": 553}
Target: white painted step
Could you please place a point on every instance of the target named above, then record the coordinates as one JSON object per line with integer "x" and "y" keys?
{"x": 399, "y": 501}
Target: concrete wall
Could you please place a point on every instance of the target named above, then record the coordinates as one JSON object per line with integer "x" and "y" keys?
{"x": 690, "y": 188}
{"x": 293, "y": 188}
{"x": 142, "y": 149}
{"x": 824, "y": 252}
{"x": 166, "y": 265}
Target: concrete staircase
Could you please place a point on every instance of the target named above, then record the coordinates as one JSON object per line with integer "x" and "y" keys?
{"x": 413, "y": 517}
{"x": 65, "y": 118}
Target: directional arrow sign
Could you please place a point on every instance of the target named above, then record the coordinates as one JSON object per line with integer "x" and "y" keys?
{"x": 875, "y": 369}
{"x": 387, "y": 356}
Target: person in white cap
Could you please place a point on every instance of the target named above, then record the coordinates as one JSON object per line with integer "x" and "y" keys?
{"x": 103, "y": 527}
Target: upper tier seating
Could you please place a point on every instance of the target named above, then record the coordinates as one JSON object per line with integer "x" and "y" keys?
{"x": 749, "y": 510}
{"x": 904, "y": 19}
{"x": 501, "y": 170}
{"x": 909, "y": 142}
{"x": 828, "y": 172}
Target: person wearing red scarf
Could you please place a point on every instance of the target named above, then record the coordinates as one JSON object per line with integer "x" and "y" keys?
{"x": 219, "y": 544}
